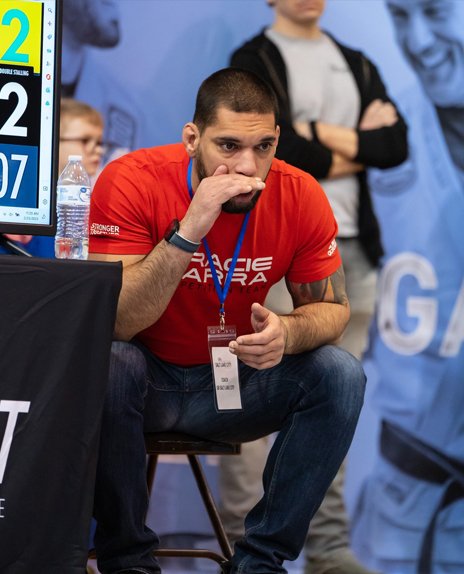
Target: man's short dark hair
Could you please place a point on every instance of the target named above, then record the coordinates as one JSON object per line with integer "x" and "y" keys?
{"x": 237, "y": 90}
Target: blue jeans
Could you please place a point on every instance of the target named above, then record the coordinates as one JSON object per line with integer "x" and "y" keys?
{"x": 312, "y": 399}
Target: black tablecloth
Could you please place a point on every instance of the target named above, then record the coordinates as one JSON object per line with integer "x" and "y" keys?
{"x": 56, "y": 324}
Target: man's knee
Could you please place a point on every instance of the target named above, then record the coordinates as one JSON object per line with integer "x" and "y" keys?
{"x": 127, "y": 357}
{"x": 127, "y": 374}
{"x": 345, "y": 380}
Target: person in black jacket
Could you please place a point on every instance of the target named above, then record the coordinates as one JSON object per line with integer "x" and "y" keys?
{"x": 336, "y": 120}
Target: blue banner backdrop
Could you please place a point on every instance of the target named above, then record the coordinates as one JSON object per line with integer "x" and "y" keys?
{"x": 406, "y": 477}
{"x": 145, "y": 86}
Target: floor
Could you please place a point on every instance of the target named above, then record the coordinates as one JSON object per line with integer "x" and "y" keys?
{"x": 201, "y": 566}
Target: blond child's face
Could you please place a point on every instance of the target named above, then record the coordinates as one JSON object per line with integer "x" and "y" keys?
{"x": 81, "y": 137}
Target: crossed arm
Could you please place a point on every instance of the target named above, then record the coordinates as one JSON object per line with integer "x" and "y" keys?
{"x": 344, "y": 142}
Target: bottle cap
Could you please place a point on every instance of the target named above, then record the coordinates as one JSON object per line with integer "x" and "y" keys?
{"x": 74, "y": 158}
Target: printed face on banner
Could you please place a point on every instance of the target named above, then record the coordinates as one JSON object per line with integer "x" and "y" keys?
{"x": 431, "y": 35}
{"x": 93, "y": 22}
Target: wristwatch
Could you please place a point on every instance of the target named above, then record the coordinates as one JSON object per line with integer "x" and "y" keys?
{"x": 174, "y": 238}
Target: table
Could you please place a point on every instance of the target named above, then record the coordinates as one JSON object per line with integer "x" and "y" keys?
{"x": 56, "y": 325}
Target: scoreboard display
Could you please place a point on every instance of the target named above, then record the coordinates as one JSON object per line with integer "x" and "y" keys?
{"x": 30, "y": 45}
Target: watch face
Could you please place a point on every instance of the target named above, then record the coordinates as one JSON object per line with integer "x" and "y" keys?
{"x": 171, "y": 229}
{"x": 172, "y": 236}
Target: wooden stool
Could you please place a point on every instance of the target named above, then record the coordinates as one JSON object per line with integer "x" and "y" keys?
{"x": 178, "y": 443}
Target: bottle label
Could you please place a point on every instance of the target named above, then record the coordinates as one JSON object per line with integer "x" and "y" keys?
{"x": 73, "y": 194}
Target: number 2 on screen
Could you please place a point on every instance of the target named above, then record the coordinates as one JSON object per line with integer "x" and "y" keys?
{"x": 12, "y": 53}
{"x": 10, "y": 128}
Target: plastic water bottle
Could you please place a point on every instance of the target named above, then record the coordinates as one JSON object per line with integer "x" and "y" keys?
{"x": 72, "y": 207}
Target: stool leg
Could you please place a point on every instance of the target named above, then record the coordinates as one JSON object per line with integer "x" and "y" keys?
{"x": 151, "y": 469}
{"x": 210, "y": 506}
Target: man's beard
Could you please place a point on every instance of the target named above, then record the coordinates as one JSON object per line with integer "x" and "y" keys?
{"x": 231, "y": 205}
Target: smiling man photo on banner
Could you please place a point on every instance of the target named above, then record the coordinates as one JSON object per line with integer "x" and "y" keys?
{"x": 410, "y": 515}
{"x": 204, "y": 228}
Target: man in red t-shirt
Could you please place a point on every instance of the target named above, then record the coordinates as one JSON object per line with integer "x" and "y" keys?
{"x": 204, "y": 229}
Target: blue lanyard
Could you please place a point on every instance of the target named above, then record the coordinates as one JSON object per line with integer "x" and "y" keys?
{"x": 221, "y": 291}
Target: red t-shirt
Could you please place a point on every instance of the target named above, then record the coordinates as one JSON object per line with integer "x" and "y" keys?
{"x": 291, "y": 233}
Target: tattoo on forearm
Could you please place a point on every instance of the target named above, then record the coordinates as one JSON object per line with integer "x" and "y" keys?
{"x": 337, "y": 281}
{"x": 331, "y": 289}
{"x": 315, "y": 291}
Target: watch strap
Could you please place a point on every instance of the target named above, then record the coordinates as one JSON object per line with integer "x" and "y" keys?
{"x": 182, "y": 243}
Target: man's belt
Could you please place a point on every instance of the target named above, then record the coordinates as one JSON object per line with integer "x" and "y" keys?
{"x": 419, "y": 460}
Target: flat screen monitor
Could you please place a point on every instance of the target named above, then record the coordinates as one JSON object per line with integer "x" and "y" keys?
{"x": 30, "y": 49}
